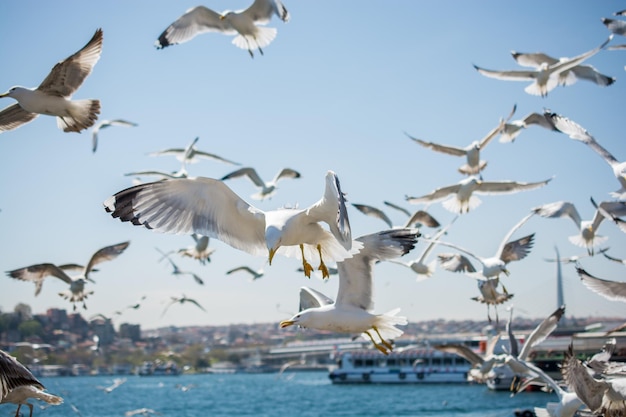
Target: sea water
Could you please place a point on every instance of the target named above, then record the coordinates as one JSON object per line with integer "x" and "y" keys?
{"x": 298, "y": 394}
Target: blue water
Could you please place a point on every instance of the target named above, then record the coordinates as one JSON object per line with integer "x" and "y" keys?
{"x": 300, "y": 394}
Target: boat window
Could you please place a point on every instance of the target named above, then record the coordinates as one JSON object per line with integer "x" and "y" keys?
{"x": 391, "y": 362}
{"x": 435, "y": 361}
{"x": 447, "y": 360}
{"x": 358, "y": 362}
{"x": 369, "y": 362}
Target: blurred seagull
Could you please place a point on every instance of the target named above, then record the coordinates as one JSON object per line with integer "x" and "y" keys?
{"x": 191, "y": 155}
{"x": 493, "y": 266}
{"x": 255, "y": 274}
{"x": 208, "y": 207}
{"x": 546, "y": 77}
{"x": 611, "y": 290}
{"x": 573, "y": 259}
{"x": 417, "y": 219}
{"x": 490, "y": 295}
{"x": 587, "y": 237}
{"x": 181, "y": 173}
{"x": 18, "y": 384}
{"x": 53, "y": 95}
{"x": 511, "y": 130}
{"x": 471, "y": 152}
{"x": 611, "y": 258}
{"x": 116, "y": 383}
{"x": 565, "y": 78}
{"x": 268, "y": 189}
{"x": 177, "y": 271}
{"x": 103, "y": 125}
{"x": 579, "y": 133}
{"x": 419, "y": 265}
{"x": 182, "y": 300}
{"x": 617, "y": 27}
{"x": 200, "y": 250}
{"x": 141, "y": 411}
{"x": 462, "y": 200}
{"x": 351, "y": 312}
{"x": 76, "y": 293}
{"x": 243, "y": 23}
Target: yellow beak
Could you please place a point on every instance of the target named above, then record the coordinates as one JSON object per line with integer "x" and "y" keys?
{"x": 286, "y": 323}
{"x": 271, "y": 256}
{"x": 4, "y": 95}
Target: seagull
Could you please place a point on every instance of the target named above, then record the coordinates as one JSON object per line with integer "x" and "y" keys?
{"x": 606, "y": 397}
{"x": 577, "y": 132}
{"x": 546, "y": 77}
{"x": 200, "y": 250}
{"x": 177, "y": 271}
{"x": 116, "y": 383}
{"x": 493, "y": 266}
{"x": 611, "y": 290}
{"x": 207, "y": 206}
{"x": 243, "y": 23}
{"x": 53, "y": 95}
{"x": 420, "y": 217}
{"x": 419, "y": 265}
{"x": 511, "y": 130}
{"x": 565, "y": 78}
{"x": 352, "y": 310}
{"x": 481, "y": 365}
{"x": 617, "y": 27}
{"x": 103, "y": 125}
{"x": 133, "y": 306}
{"x": 587, "y": 237}
{"x": 573, "y": 259}
{"x": 191, "y": 155}
{"x": 76, "y": 293}
{"x": 181, "y": 173}
{"x": 256, "y": 274}
{"x": 462, "y": 200}
{"x": 471, "y": 152}
{"x": 490, "y": 295}
{"x": 611, "y": 258}
{"x": 141, "y": 411}
{"x": 18, "y": 384}
{"x": 268, "y": 189}
{"x": 181, "y": 300}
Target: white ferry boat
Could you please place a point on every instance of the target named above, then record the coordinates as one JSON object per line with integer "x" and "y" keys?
{"x": 407, "y": 366}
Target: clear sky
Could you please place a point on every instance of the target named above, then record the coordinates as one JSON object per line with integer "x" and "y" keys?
{"x": 336, "y": 89}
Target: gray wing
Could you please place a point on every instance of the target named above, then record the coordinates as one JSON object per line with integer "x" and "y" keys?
{"x": 203, "y": 154}
{"x": 462, "y": 351}
{"x": 541, "y": 332}
{"x": 395, "y": 206}
{"x": 612, "y": 290}
{"x": 69, "y": 74}
{"x": 334, "y": 199}
{"x": 261, "y": 11}
{"x": 14, "y": 116}
{"x": 13, "y": 374}
{"x": 569, "y": 127}
{"x": 105, "y": 254}
{"x": 455, "y": 262}
{"x": 310, "y": 298}
{"x": 540, "y": 120}
{"x": 559, "y": 209}
{"x": 508, "y": 187}
{"x": 286, "y": 173}
{"x": 435, "y": 195}
{"x": 617, "y": 27}
{"x": 589, "y": 73}
{"x": 509, "y": 250}
{"x": 355, "y": 273}
{"x": 533, "y": 60}
{"x": 517, "y": 249}
{"x": 512, "y": 75}
{"x": 588, "y": 389}
{"x": 193, "y": 22}
{"x": 450, "y": 150}
{"x": 374, "y": 212}
{"x": 423, "y": 218}
{"x": 192, "y": 205}
{"x": 37, "y": 273}
{"x": 566, "y": 64}
{"x": 246, "y": 172}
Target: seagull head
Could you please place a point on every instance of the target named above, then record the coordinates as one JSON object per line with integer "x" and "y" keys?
{"x": 303, "y": 319}
{"x": 14, "y": 92}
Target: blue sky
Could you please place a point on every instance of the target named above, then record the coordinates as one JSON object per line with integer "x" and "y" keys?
{"x": 337, "y": 89}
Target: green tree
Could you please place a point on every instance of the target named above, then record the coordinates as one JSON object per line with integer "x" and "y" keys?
{"x": 30, "y": 328}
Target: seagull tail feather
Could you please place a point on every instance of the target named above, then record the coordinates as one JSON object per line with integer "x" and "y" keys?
{"x": 84, "y": 114}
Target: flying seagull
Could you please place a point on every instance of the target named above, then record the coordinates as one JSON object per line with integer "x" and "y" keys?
{"x": 76, "y": 293}
{"x": 267, "y": 189}
{"x": 18, "y": 384}
{"x": 461, "y": 198}
{"x": 546, "y": 77}
{"x": 191, "y": 154}
{"x": 246, "y": 24}
{"x": 256, "y": 274}
{"x": 177, "y": 271}
{"x": 181, "y": 300}
{"x": 53, "y": 95}
{"x": 511, "y": 130}
{"x": 352, "y": 310}
{"x": 417, "y": 219}
{"x": 207, "y": 206}
{"x": 103, "y": 125}
{"x": 611, "y": 290}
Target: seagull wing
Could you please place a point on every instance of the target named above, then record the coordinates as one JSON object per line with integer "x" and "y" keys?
{"x": 506, "y": 249}
{"x": 286, "y": 173}
{"x": 355, "y": 273}
{"x": 193, "y": 205}
{"x": 105, "y": 254}
{"x": 422, "y": 217}
{"x": 462, "y": 351}
{"x": 247, "y": 172}
{"x": 507, "y": 187}
{"x": 402, "y": 209}
{"x": 559, "y": 209}
{"x": 159, "y": 173}
{"x": 191, "y": 300}
{"x": 13, "y": 374}
{"x": 566, "y": 64}
{"x": 541, "y": 332}
{"x": 513, "y": 75}
{"x": 588, "y": 389}
{"x": 37, "y": 273}
{"x": 333, "y": 206}
{"x": 13, "y": 116}
{"x": 374, "y": 212}
{"x": 589, "y": 73}
{"x": 208, "y": 155}
{"x": 538, "y": 119}
{"x": 241, "y": 268}
{"x": 533, "y": 60}
{"x": 435, "y": 239}
{"x": 261, "y": 11}
{"x": 195, "y": 21}
{"x": 455, "y": 262}
{"x": 450, "y": 150}
{"x": 435, "y": 195}
{"x": 310, "y": 298}
{"x": 612, "y": 290}
{"x": 69, "y": 74}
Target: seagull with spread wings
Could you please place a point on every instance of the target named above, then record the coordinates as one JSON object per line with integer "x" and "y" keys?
{"x": 352, "y": 310}
{"x": 53, "y": 96}
{"x": 207, "y": 206}
{"x": 177, "y": 271}
{"x": 461, "y": 195}
{"x": 190, "y": 154}
{"x": 511, "y": 130}
{"x": 267, "y": 189}
{"x": 474, "y": 165}
{"x": 105, "y": 124}
{"x": 255, "y": 274}
{"x": 246, "y": 24}
{"x": 76, "y": 293}
{"x": 181, "y": 300}
{"x": 417, "y": 219}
